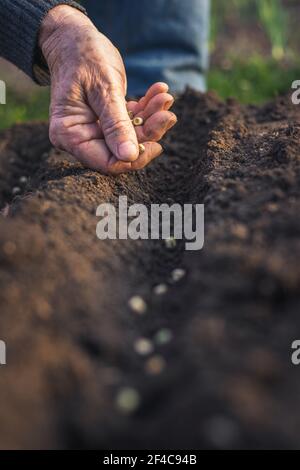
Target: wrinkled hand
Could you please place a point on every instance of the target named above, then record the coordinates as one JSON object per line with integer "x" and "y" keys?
{"x": 88, "y": 113}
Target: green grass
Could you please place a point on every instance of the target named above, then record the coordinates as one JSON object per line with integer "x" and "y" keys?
{"x": 274, "y": 19}
{"x": 270, "y": 14}
{"x": 253, "y": 81}
{"x": 21, "y": 108}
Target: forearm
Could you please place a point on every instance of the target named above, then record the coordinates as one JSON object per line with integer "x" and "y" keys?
{"x": 20, "y": 22}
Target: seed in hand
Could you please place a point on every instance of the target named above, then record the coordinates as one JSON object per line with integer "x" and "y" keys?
{"x": 130, "y": 114}
{"x": 138, "y": 121}
{"x": 142, "y": 148}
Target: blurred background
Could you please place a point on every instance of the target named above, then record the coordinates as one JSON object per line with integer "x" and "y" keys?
{"x": 255, "y": 55}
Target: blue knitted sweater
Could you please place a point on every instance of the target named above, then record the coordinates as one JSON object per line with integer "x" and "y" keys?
{"x": 20, "y": 22}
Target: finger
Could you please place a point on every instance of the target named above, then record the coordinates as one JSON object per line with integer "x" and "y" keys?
{"x": 117, "y": 167}
{"x": 160, "y": 102}
{"x": 66, "y": 132}
{"x": 132, "y": 107}
{"x": 117, "y": 127}
{"x": 152, "y": 151}
{"x": 81, "y": 133}
{"x": 156, "y": 126}
{"x": 81, "y": 115}
{"x": 159, "y": 87}
{"x": 94, "y": 154}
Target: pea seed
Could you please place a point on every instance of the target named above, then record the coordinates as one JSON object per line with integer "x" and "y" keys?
{"x": 177, "y": 274}
{"x": 138, "y": 305}
{"x": 170, "y": 243}
{"x": 142, "y": 148}
{"x": 16, "y": 190}
{"x": 143, "y": 346}
{"x": 138, "y": 121}
{"x": 128, "y": 400}
{"x": 155, "y": 365}
{"x": 160, "y": 289}
{"x": 163, "y": 336}
{"x": 130, "y": 114}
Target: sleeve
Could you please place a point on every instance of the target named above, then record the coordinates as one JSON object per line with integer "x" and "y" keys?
{"x": 20, "y": 21}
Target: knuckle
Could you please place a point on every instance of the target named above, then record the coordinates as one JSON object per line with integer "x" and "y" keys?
{"x": 110, "y": 89}
{"x": 118, "y": 167}
{"x": 113, "y": 170}
{"x": 149, "y": 133}
{"x": 116, "y": 128}
{"x": 153, "y": 134}
{"x": 60, "y": 134}
{"x": 54, "y": 135}
{"x": 139, "y": 165}
{"x": 73, "y": 139}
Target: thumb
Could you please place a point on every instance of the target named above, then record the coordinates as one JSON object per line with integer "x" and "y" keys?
{"x": 118, "y": 130}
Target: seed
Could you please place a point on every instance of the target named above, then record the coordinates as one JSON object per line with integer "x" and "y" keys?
{"x": 16, "y": 190}
{"x": 155, "y": 365}
{"x": 170, "y": 243}
{"x": 130, "y": 114}
{"x": 163, "y": 336}
{"x": 23, "y": 179}
{"x": 138, "y": 121}
{"x": 143, "y": 346}
{"x": 128, "y": 400}
{"x": 142, "y": 148}
{"x": 160, "y": 289}
{"x": 177, "y": 274}
{"x": 137, "y": 304}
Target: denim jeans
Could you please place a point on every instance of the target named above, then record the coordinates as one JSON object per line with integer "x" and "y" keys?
{"x": 160, "y": 40}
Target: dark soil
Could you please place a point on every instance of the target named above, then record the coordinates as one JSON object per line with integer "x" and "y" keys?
{"x": 228, "y": 381}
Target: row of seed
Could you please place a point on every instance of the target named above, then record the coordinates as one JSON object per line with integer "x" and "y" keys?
{"x": 128, "y": 399}
{"x": 16, "y": 189}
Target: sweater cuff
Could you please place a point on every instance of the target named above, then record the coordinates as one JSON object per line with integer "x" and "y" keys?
{"x": 20, "y": 22}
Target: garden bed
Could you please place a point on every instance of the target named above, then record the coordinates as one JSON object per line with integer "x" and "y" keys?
{"x": 220, "y": 373}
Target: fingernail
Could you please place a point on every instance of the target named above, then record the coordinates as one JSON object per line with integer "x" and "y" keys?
{"x": 128, "y": 151}
{"x": 171, "y": 123}
{"x": 168, "y": 105}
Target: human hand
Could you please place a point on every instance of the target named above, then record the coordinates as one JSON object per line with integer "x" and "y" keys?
{"x": 88, "y": 113}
